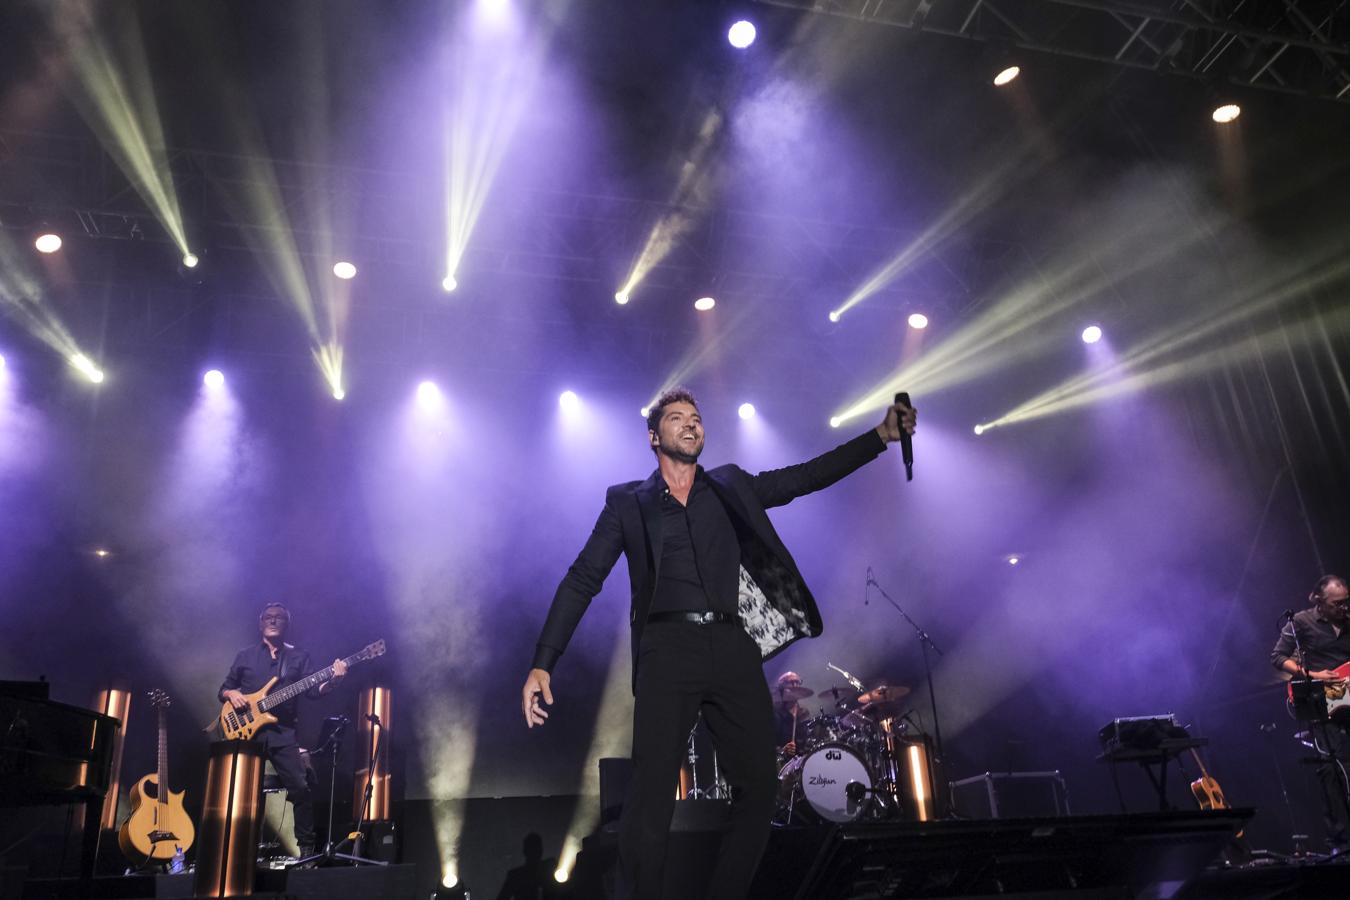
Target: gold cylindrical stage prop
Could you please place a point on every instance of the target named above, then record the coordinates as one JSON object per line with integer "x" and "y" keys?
{"x": 227, "y": 840}
{"x": 116, "y": 703}
{"x": 373, "y": 701}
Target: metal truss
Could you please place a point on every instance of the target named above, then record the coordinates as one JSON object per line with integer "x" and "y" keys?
{"x": 583, "y": 239}
{"x": 1289, "y": 46}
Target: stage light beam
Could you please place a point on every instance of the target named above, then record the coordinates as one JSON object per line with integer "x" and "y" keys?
{"x": 48, "y": 242}
{"x": 703, "y": 304}
{"x": 1092, "y": 334}
{"x": 569, "y": 401}
{"x": 449, "y": 283}
{"x": 190, "y": 260}
{"x": 918, "y": 321}
{"x": 85, "y": 366}
{"x": 746, "y": 411}
{"x": 344, "y": 270}
{"x": 1007, "y": 75}
{"x": 622, "y": 298}
{"x": 214, "y": 378}
{"x": 1227, "y": 112}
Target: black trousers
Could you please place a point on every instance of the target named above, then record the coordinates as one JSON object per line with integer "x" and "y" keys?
{"x": 283, "y": 749}
{"x": 1332, "y": 773}
{"x": 684, "y": 668}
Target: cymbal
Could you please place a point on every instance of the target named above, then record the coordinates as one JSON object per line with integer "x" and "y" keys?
{"x": 883, "y": 693}
{"x": 841, "y": 695}
{"x": 788, "y": 692}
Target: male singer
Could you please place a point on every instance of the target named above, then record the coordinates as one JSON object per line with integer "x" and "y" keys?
{"x": 714, "y": 593}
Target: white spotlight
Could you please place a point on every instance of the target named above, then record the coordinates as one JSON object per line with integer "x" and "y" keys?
{"x": 646, "y": 411}
{"x": 746, "y": 411}
{"x": 918, "y": 320}
{"x": 1014, "y": 560}
{"x": 621, "y": 298}
{"x": 344, "y": 270}
{"x": 979, "y": 429}
{"x": 1226, "y": 113}
{"x": 1007, "y": 75}
{"x": 428, "y": 394}
{"x": 339, "y": 393}
{"x": 48, "y": 242}
{"x": 448, "y": 284}
{"x": 741, "y": 34}
{"x": 703, "y": 304}
{"x": 834, "y": 315}
{"x": 1092, "y": 334}
{"x": 569, "y": 400}
{"x": 2, "y": 362}
{"x": 190, "y": 260}
{"x": 835, "y": 421}
{"x": 87, "y": 368}
{"x": 214, "y": 378}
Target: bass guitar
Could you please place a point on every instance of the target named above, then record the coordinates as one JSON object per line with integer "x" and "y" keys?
{"x": 241, "y": 724}
{"x": 158, "y": 826}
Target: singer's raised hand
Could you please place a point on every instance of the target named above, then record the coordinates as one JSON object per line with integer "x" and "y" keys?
{"x": 898, "y": 417}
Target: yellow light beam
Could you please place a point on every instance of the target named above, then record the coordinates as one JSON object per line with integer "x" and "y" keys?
{"x": 692, "y": 189}
{"x": 1129, "y": 373}
{"x": 613, "y": 736}
{"x": 113, "y": 92}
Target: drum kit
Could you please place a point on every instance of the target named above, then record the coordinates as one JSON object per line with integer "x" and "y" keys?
{"x": 861, "y": 758}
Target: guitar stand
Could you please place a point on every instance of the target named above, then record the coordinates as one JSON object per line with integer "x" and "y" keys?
{"x": 330, "y": 856}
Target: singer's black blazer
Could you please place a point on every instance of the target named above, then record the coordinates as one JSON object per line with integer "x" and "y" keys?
{"x": 631, "y": 524}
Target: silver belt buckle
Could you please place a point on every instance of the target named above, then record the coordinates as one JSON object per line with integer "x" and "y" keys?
{"x": 705, "y": 618}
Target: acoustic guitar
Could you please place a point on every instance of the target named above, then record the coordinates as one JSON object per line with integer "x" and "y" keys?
{"x": 1206, "y": 789}
{"x": 158, "y": 826}
{"x": 241, "y": 724}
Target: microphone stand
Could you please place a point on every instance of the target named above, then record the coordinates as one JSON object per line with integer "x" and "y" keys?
{"x": 355, "y": 857}
{"x": 927, "y": 644}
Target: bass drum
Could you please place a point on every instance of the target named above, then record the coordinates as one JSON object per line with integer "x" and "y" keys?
{"x": 814, "y": 786}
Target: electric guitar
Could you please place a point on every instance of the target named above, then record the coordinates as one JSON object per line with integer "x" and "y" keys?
{"x": 1206, "y": 790}
{"x": 241, "y": 724}
{"x": 1338, "y": 697}
{"x": 158, "y": 826}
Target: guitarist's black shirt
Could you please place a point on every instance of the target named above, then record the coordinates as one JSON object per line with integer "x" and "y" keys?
{"x": 1323, "y": 647}
{"x": 254, "y": 666}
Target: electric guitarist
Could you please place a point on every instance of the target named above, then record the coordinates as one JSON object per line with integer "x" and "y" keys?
{"x": 253, "y": 668}
{"x": 1315, "y": 644}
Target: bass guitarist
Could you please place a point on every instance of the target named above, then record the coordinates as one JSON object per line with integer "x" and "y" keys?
{"x": 253, "y": 667}
{"x": 1322, "y": 634}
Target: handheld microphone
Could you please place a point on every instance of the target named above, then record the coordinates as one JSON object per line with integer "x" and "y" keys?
{"x": 906, "y": 441}
{"x": 1286, "y": 616}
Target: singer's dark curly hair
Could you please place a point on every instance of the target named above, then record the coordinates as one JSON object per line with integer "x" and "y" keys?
{"x": 672, "y": 395}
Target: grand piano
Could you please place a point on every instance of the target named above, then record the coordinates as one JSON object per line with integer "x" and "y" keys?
{"x": 54, "y": 754}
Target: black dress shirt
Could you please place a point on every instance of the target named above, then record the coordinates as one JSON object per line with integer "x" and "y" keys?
{"x": 700, "y": 555}
{"x": 254, "y": 666}
{"x": 1322, "y": 647}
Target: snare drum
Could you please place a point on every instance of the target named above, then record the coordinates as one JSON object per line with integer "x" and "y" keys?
{"x": 815, "y": 785}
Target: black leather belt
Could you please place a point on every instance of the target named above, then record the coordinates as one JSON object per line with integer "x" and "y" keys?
{"x": 696, "y": 618}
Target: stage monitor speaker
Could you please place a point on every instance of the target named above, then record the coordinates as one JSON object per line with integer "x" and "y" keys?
{"x": 1136, "y": 856}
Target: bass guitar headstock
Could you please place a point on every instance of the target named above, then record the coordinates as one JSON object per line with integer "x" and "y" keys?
{"x": 159, "y": 699}
{"x": 372, "y": 650}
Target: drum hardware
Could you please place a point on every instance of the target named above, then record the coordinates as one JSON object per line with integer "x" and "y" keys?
{"x": 688, "y": 787}
{"x": 842, "y": 697}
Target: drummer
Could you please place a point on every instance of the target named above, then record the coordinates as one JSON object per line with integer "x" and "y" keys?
{"x": 789, "y": 715}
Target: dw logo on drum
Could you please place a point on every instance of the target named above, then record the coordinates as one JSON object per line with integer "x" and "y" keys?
{"x": 833, "y": 754}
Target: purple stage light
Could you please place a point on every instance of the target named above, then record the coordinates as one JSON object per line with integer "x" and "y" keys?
{"x": 741, "y": 34}
{"x": 1092, "y": 334}
{"x": 214, "y": 378}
